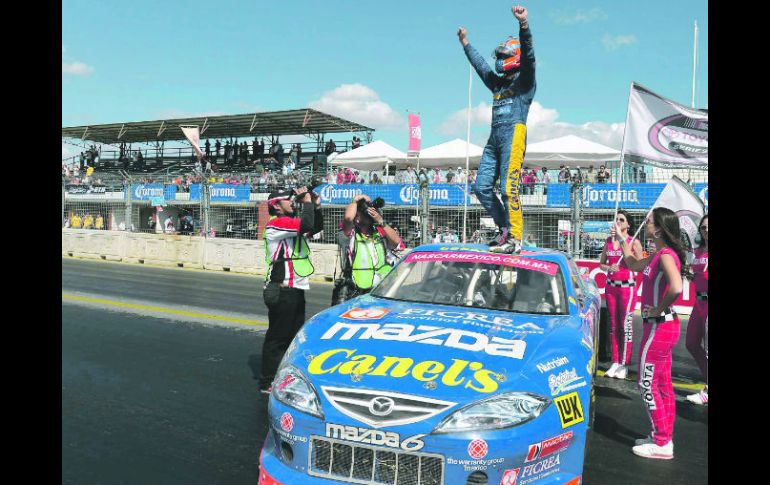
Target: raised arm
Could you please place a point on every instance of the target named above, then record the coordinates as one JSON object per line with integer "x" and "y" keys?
{"x": 483, "y": 69}
{"x": 525, "y": 37}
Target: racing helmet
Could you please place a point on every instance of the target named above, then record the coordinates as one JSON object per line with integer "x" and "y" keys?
{"x": 507, "y": 56}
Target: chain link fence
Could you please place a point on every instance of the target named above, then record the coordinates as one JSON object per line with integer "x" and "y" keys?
{"x": 573, "y": 216}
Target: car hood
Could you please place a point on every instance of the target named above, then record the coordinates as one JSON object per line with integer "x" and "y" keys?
{"x": 461, "y": 354}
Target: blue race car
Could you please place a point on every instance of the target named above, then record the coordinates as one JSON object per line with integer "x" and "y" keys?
{"x": 461, "y": 367}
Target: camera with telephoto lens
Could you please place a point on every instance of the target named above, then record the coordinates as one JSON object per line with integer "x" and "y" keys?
{"x": 377, "y": 203}
{"x": 315, "y": 181}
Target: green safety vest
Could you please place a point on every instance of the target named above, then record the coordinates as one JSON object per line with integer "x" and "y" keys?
{"x": 300, "y": 257}
{"x": 363, "y": 266}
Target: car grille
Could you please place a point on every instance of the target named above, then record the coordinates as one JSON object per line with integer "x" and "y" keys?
{"x": 405, "y": 408}
{"x": 354, "y": 463}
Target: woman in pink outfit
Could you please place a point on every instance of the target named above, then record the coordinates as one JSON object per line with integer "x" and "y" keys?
{"x": 620, "y": 294}
{"x": 697, "y": 327}
{"x": 662, "y": 284}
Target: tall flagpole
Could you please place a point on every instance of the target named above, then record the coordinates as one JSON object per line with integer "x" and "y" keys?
{"x": 467, "y": 157}
{"x": 694, "y": 61}
{"x": 622, "y": 154}
{"x": 694, "y": 66}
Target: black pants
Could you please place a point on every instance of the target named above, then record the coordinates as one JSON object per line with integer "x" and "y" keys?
{"x": 284, "y": 319}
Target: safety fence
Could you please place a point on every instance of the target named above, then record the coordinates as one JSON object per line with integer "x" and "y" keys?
{"x": 573, "y": 217}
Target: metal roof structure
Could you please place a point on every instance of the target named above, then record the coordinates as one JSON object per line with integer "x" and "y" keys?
{"x": 308, "y": 122}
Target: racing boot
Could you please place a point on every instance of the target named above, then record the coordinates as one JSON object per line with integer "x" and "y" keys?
{"x": 510, "y": 246}
{"x": 499, "y": 238}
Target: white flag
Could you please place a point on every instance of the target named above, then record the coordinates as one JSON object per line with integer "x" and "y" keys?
{"x": 194, "y": 137}
{"x": 689, "y": 208}
{"x": 663, "y": 133}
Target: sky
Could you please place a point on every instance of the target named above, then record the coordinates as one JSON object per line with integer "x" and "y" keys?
{"x": 373, "y": 62}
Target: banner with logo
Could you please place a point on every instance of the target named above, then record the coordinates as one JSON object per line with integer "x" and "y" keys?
{"x": 415, "y": 133}
{"x": 664, "y": 133}
{"x": 396, "y": 194}
{"x": 150, "y": 191}
{"x": 223, "y": 192}
{"x": 603, "y": 196}
{"x": 683, "y": 303}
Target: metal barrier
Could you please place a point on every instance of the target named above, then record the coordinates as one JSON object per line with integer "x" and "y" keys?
{"x": 572, "y": 217}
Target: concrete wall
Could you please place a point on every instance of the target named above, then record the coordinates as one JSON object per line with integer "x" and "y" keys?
{"x": 219, "y": 254}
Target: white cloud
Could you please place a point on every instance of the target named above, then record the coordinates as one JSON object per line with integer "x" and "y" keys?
{"x": 542, "y": 125}
{"x": 76, "y": 68}
{"x": 565, "y": 17}
{"x": 361, "y": 104}
{"x": 612, "y": 43}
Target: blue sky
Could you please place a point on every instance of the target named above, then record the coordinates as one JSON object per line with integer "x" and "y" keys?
{"x": 372, "y": 61}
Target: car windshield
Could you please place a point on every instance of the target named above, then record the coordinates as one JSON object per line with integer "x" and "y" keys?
{"x": 480, "y": 280}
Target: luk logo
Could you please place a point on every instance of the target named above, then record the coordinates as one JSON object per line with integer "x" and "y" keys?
{"x": 365, "y": 313}
{"x": 647, "y": 397}
{"x": 510, "y": 476}
{"x": 287, "y": 422}
{"x": 478, "y": 449}
{"x": 570, "y": 409}
{"x": 548, "y": 447}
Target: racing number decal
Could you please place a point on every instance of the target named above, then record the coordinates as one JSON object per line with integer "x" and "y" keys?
{"x": 570, "y": 409}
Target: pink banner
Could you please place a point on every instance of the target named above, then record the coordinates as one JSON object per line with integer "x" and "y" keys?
{"x": 683, "y": 304}
{"x": 485, "y": 258}
{"x": 415, "y": 133}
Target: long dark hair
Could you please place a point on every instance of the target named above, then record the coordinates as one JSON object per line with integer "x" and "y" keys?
{"x": 698, "y": 238}
{"x": 668, "y": 224}
{"x": 630, "y": 229}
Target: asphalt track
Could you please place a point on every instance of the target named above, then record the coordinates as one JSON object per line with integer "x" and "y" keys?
{"x": 158, "y": 384}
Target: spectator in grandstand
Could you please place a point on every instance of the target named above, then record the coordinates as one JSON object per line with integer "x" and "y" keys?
{"x": 330, "y": 147}
{"x": 533, "y": 180}
{"x": 563, "y": 176}
{"x": 99, "y": 222}
{"x": 450, "y": 176}
{"x": 602, "y": 176}
{"x": 545, "y": 179}
{"x": 82, "y": 160}
{"x": 227, "y": 149}
{"x": 590, "y": 175}
{"x": 261, "y": 150}
{"x": 217, "y": 148}
{"x": 278, "y": 151}
{"x": 356, "y": 142}
{"x": 75, "y": 221}
{"x": 577, "y": 176}
{"x": 88, "y": 222}
{"x": 436, "y": 176}
{"x": 208, "y": 148}
{"x": 375, "y": 179}
{"x": 529, "y": 241}
{"x": 350, "y": 176}
{"x": 168, "y": 225}
{"x": 410, "y": 177}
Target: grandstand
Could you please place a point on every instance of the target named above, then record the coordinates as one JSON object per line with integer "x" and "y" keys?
{"x": 140, "y": 147}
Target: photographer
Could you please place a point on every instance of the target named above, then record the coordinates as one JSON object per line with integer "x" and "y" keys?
{"x": 367, "y": 246}
{"x": 288, "y": 267}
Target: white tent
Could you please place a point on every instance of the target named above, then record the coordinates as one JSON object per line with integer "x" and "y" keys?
{"x": 569, "y": 150}
{"x": 372, "y": 156}
{"x": 445, "y": 155}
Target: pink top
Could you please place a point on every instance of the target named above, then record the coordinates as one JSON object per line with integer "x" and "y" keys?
{"x": 700, "y": 266}
{"x": 615, "y": 256}
{"x": 654, "y": 283}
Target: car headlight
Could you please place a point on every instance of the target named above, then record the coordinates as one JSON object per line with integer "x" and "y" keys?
{"x": 497, "y": 412}
{"x": 292, "y": 388}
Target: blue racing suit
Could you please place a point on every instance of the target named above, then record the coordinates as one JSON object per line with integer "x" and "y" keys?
{"x": 504, "y": 152}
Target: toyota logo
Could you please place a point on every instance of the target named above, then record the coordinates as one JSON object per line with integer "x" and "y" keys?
{"x": 381, "y": 406}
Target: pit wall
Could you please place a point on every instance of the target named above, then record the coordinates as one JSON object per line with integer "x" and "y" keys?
{"x": 218, "y": 254}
